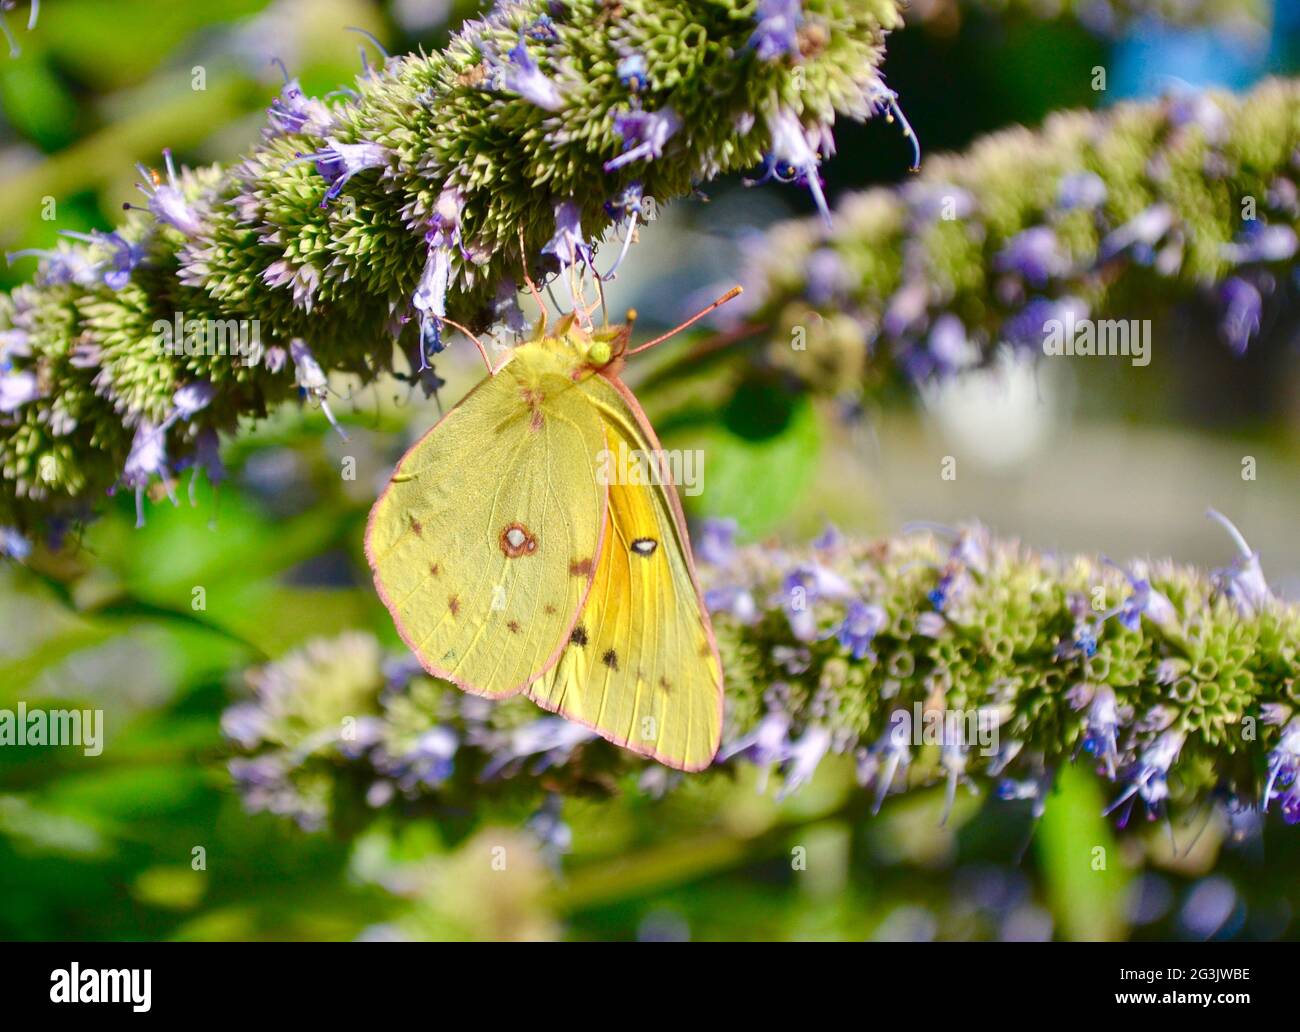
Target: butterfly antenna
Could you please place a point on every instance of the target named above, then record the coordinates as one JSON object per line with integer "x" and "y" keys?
{"x": 477, "y": 343}
{"x": 604, "y": 308}
{"x": 532, "y": 287}
{"x": 550, "y": 292}
{"x": 734, "y": 292}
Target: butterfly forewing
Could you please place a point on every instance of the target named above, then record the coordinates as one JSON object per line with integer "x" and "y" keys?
{"x": 641, "y": 667}
{"x": 484, "y": 544}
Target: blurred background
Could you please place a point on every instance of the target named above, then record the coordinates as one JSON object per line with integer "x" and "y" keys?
{"x": 1094, "y": 457}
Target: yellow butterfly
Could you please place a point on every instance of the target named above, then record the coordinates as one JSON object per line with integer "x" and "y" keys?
{"x": 513, "y": 561}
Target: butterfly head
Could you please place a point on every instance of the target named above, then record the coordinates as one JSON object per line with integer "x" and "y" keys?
{"x": 586, "y": 351}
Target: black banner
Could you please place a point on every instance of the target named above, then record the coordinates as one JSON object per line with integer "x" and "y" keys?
{"x": 146, "y": 981}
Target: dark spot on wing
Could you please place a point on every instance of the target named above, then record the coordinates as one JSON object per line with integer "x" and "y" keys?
{"x": 514, "y": 626}
{"x": 517, "y": 540}
{"x": 580, "y": 569}
{"x": 435, "y": 569}
{"x": 645, "y": 547}
{"x": 453, "y": 604}
{"x": 610, "y": 659}
{"x": 548, "y": 609}
{"x": 416, "y": 527}
{"x": 579, "y": 636}
{"x": 663, "y": 683}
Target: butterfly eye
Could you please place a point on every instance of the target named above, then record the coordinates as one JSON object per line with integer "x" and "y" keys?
{"x": 599, "y": 353}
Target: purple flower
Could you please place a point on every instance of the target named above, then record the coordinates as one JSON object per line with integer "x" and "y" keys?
{"x": 167, "y": 201}
{"x": 1193, "y": 107}
{"x": 891, "y": 752}
{"x": 302, "y": 280}
{"x": 543, "y": 27}
{"x": 906, "y": 309}
{"x": 1028, "y": 327}
{"x": 1144, "y": 230}
{"x": 17, "y": 389}
{"x": 885, "y": 101}
{"x": 1032, "y": 789}
{"x": 294, "y": 112}
{"x": 644, "y": 135}
{"x": 716, "y": 541}
{"x": 553, "y": 836}
{"x": 1148, "y": 778}
{"x": 930, "y": 625}
{"x": 1242, "y": 307}
{"x": 550, "y": 739}
{"x": 1101, "y": 734}
{"x": 207, "y": 457}
{"x": 632, "y": 72}
{"x": 1145, "y": 601}
{"x": 1242, "y": 582}
{"x": 14, "y": 343}
{"x": 311, "y": 379}
{"x": 861, "y": 624}
{"x": 568, "y": 245}
{"x": 953, "y": 581}
{"x": 430, "y": 298}
{"x": 1085, "y": 190}
{"x": 147, "y": 459}
{"x": 124, "y": 258}
{"x": 629, "y": 202}
{"x": 1284, "y": 771}
{"x": 952, "y": 758}
{"x": 804, "y": 586}
{"x": 1283, "y": 196}
{"x": 1263, "y": 243}
{"x": 793, "y": 156}
{"x": 522, "y": 76}
{"x": 766, "y": 745}
{"x": 263, "y": 782}
{"x": 428, "y": 763}
{"x": 929, "y": 201}
{"x": 245, "y": 724}
{"x": 737, "y": 601}
{"x": 13, "y": 545}
{"x": 187, "y": 402}
{"x": 825, "y": 276}
{"x": 1035, "y": 254}
{"x": 61, "y": 266}
{"x": 777, "y": 34}
{"x": 803, "y": 757}
{"x": 338, "y": 162}
{"x": 506, "y": 311}
{"x": 948, "y": 346}
{"x": 366, "y": 733}
{"x": 829, "y": 539}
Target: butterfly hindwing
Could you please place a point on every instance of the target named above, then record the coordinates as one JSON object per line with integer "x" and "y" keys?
{"x": 484, "y": 544}
{"x": 641, "y": 667}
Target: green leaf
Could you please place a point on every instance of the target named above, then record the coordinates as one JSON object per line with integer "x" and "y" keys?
{"x": 1086, "y": 880}
{"x": 759, "y": 461}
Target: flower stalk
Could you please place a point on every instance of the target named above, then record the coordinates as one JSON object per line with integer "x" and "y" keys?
{"x": 1092, "y": 216}
{"x": 934, "y": 658}
{"x": 365, "y": 220}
